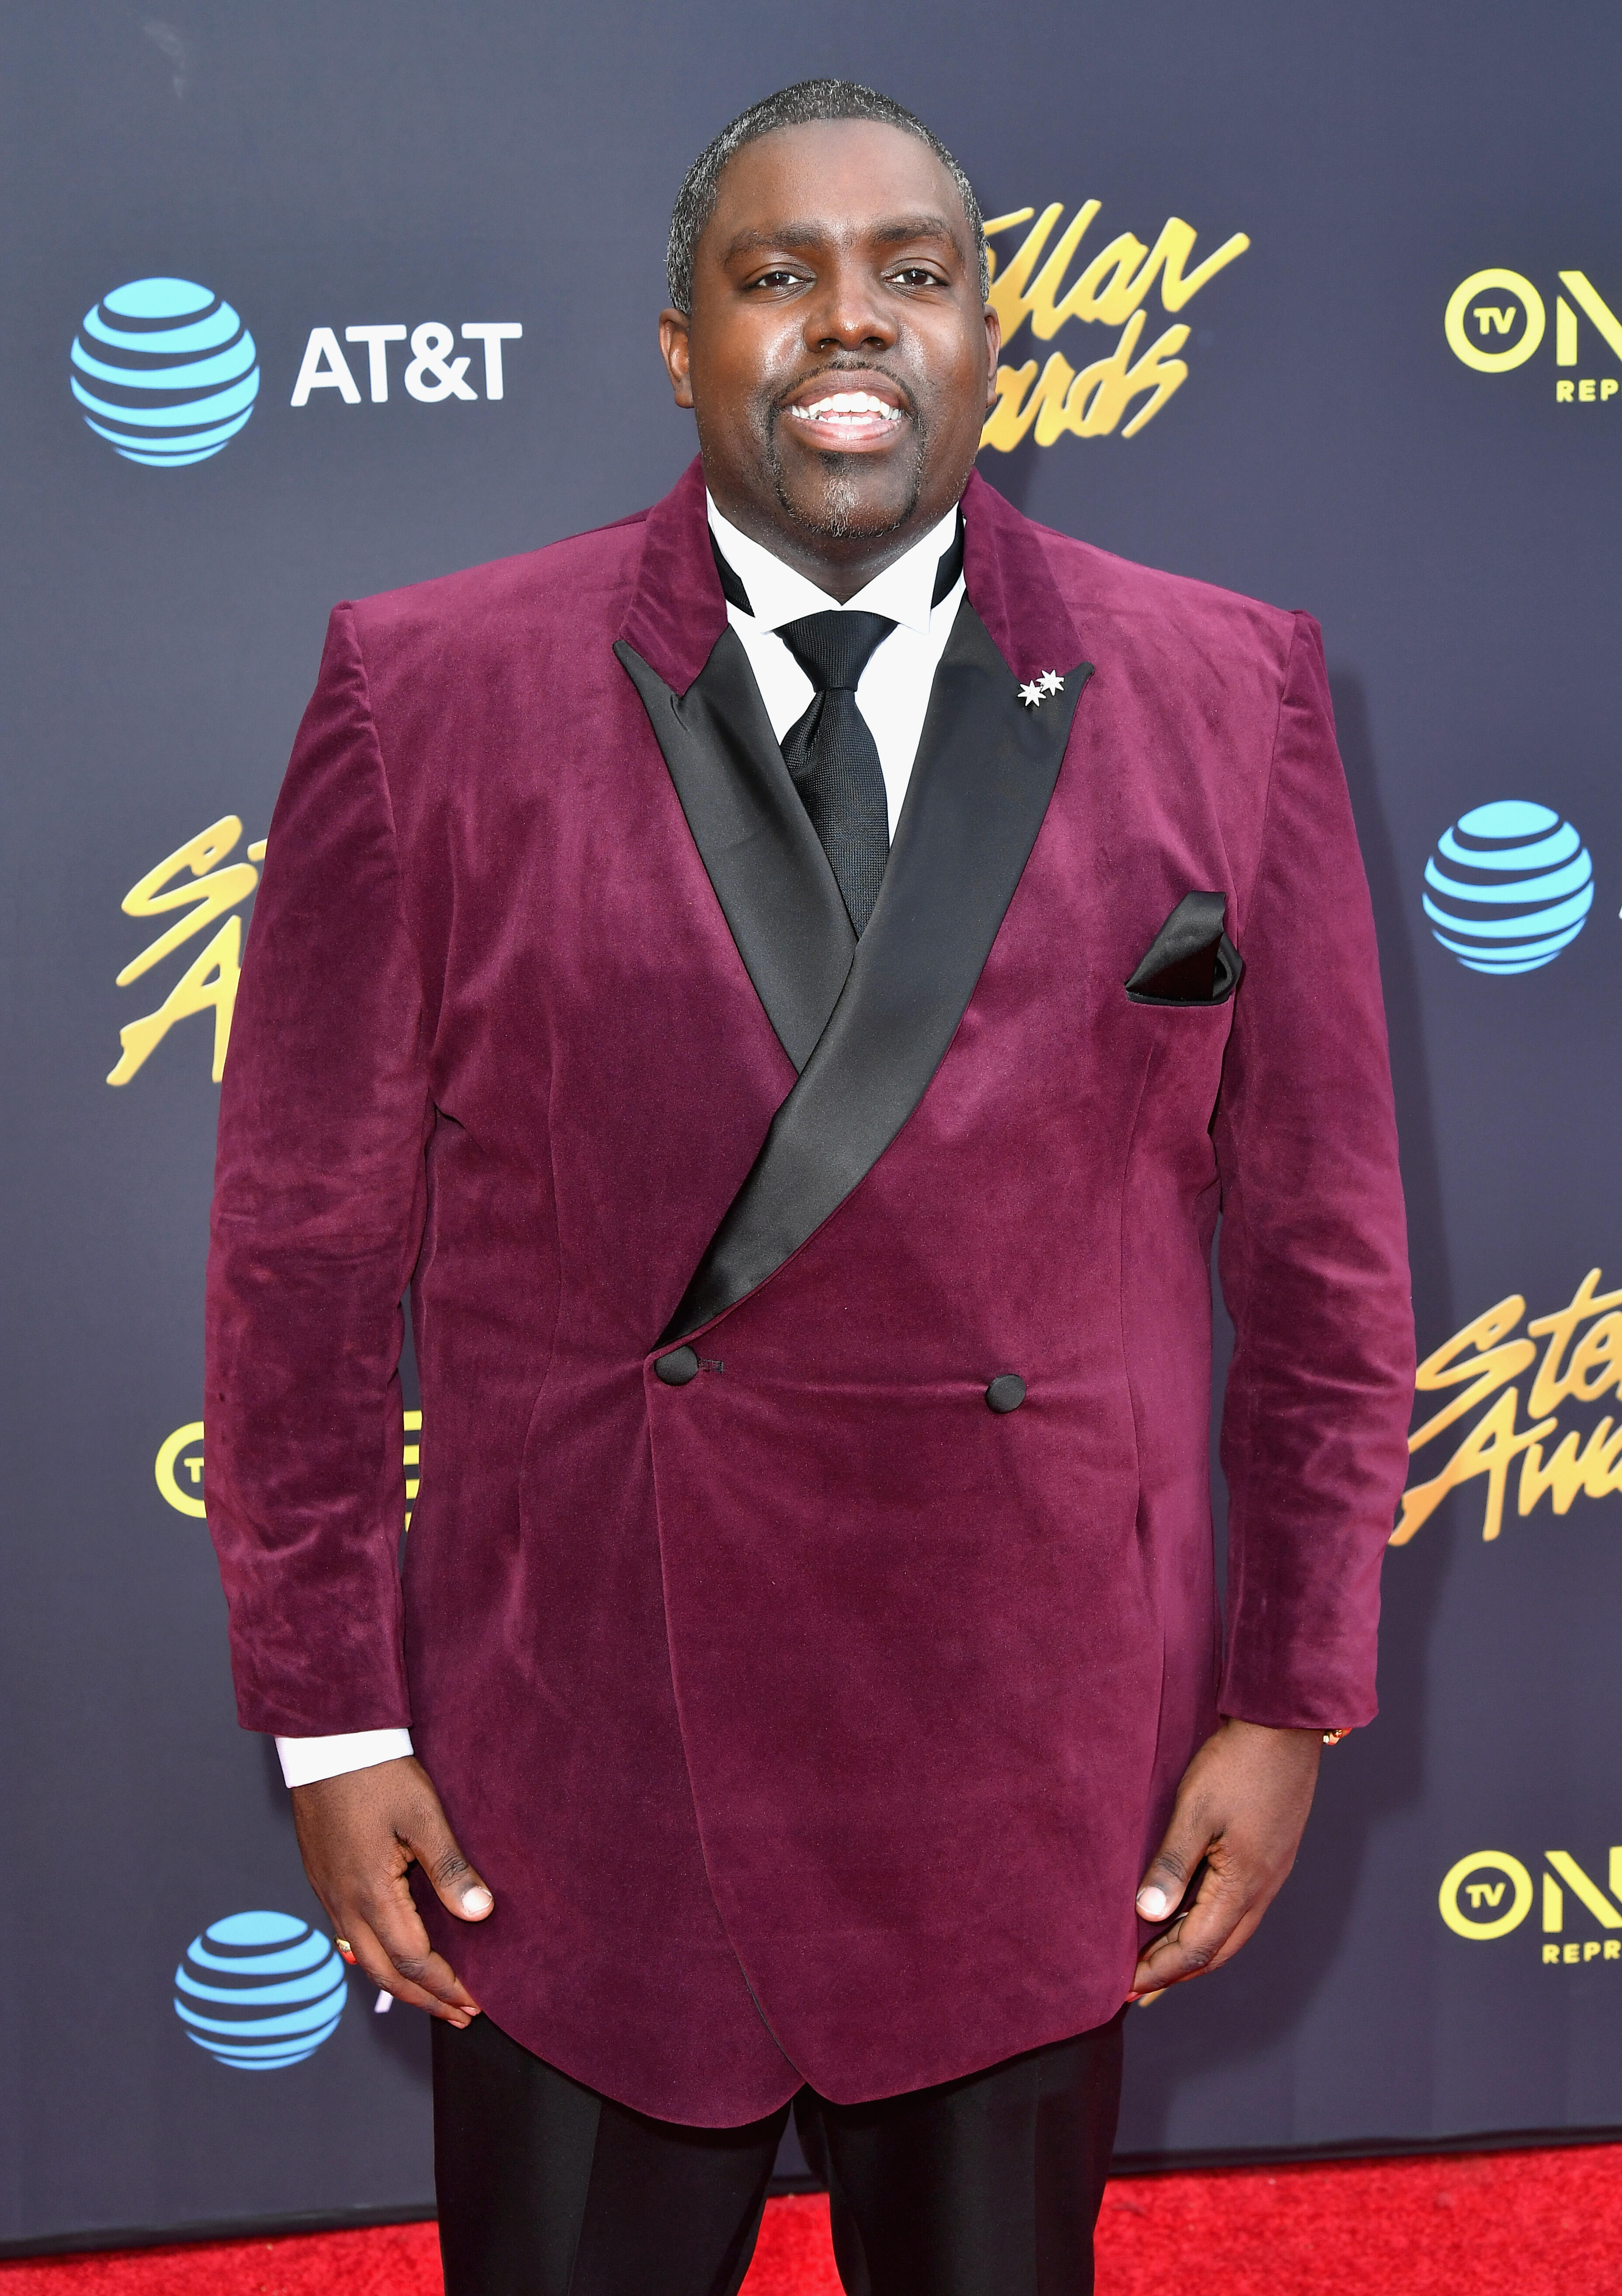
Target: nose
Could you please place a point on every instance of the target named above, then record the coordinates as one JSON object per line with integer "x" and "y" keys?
{"x": 848, "y": 312}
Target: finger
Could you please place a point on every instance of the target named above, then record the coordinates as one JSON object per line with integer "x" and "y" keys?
{"x": 1198, "y": 1936}
{"x": 388, "y": 1912}
{"x": 1240, "y": 1934}
{"x": 1156, "y": 1971}
{"x": 376, "y": 1963}
{"x": 1187, "y": 1840}
{"x": 436, "y": 1850}
{"x": 398, "y": 1927}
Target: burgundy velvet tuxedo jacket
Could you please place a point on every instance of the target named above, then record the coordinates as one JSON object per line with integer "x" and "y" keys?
{"x": 809, "y": 1719}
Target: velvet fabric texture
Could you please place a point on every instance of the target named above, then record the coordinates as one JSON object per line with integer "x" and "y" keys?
{"x": 809, "y": 1720}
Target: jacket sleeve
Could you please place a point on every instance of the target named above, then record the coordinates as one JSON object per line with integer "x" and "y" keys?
{"x": 1314, "y": 1250}
{"x": 318, "y": 1206}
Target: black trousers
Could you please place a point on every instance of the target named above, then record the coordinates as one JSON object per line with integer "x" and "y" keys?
{"x": 984, "y": 2187}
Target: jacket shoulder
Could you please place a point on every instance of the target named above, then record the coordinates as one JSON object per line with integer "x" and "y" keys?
{"x": 574, "y": 584}
{"x": 1145, "y": 606}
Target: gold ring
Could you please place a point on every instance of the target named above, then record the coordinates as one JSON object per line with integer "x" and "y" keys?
{"x": 346, "y": 1949}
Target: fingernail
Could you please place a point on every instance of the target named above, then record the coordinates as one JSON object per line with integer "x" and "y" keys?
{"x": 1152, "y": 1904}
{"x": 477, "y": 1901}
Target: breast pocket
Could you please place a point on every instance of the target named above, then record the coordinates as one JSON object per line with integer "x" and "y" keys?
{"x": 1190, "y": 961}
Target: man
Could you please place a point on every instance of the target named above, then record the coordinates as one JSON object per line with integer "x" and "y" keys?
{"x": 787, "y": 982}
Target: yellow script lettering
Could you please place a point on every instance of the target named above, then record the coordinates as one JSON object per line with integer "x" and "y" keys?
{"x": 1091, "y": 403}
{"x": 1552, "y": 1385}
{"x": 210, "y": 983}
{"x": 1110, "y": 291}
{"x": 214, "y": 892}
{"x": 1581, "y": 1362}
{"x": 1595, "y": 1470}
{"x": 206, "y": 985}
{"x": 1487, "y": 1450}
{"x": 1492, "y": 1367}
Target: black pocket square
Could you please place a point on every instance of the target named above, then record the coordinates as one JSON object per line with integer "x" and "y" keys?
{"x": 1190, "y": 961}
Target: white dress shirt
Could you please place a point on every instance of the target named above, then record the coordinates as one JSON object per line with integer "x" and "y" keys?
{"x": 893, "y": 694}
{"x": 893, "y": 697}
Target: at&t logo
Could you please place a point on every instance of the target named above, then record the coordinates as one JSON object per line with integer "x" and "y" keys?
{"x": 1495, "y": 321}
{"x": 165, "y": 372}
{"x": 1508, "y": 887}
{"x": 1489, "y": 1893}
{"x": 259, "y": 1991}
{"x": 431, "y": 374}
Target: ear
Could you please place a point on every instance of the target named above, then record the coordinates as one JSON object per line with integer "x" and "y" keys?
{"x": 993, "y": 351}
{"x": 675, "y": 344}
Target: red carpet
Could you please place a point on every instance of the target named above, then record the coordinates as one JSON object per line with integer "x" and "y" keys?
{"x": 1484, "y": 2224}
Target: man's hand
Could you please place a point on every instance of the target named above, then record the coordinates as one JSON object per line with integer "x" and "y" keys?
{"x": 358, "y": 1834}
{"x": 1241, "y": 1807}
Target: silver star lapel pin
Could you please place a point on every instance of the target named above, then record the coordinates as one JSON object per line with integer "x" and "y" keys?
{"x": 1032, "y": 695}
{"x": 1037, "y": 691}
{"x": 1051, "y": 682}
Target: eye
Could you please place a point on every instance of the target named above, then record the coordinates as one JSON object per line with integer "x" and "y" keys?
{"x": 782, "y": 278}
{"x": 916, "y": 275}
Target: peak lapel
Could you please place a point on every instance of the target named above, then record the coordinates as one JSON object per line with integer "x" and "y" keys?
{"x": 1011, "y": 587}
{"x": 676, "y": 611}
{"x": 985, "y": 771}
{"x": 762, "y": 857}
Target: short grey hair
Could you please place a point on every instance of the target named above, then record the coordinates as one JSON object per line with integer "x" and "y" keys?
{"x": 806, "y": 101}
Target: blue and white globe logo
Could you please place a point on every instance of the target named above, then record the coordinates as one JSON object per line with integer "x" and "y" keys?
{"x": 1508, "y": 887}
{"x": 165, "y": 372}
{"x": 259, "y": 1991}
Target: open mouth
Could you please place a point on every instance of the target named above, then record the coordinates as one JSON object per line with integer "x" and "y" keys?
{"x": 845, "y": 420}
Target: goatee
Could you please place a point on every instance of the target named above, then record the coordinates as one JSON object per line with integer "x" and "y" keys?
{"x": 837, "y": 517}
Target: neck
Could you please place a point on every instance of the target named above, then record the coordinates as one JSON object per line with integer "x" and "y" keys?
{"x": 840, "y": 566}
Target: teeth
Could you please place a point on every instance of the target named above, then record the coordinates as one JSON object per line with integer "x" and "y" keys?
{"x": 849, "y": 407}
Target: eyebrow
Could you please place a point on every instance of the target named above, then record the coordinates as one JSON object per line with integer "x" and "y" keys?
{"x": 895, "y": 232}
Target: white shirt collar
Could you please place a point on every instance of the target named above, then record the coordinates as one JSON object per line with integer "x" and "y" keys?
{"x": 778, "y": 595}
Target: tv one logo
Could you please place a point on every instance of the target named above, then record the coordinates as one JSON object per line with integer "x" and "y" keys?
{"x": 1489, "y": 1893}
{"x": 178, "y": 1466}
{"x": 1496, "y": 320}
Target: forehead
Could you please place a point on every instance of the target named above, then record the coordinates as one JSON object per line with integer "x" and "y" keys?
{"x": 836, "y": 178}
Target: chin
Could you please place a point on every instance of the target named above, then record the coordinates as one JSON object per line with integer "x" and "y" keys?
{"x": 849, "y": 499}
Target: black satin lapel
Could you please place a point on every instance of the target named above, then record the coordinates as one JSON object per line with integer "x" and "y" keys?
{"x": 754, "y": 837}
{"x": 985, "y": 771}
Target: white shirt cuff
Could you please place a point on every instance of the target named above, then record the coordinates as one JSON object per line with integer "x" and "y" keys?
{"x": 304, "y": 1760}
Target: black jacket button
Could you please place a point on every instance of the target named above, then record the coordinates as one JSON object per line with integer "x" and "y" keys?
{"x": 681, "y": 1365}
{"x": 1006, "y": 1392}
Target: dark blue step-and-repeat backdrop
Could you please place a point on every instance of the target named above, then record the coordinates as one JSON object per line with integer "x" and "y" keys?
{"x": 1321, "y": 305}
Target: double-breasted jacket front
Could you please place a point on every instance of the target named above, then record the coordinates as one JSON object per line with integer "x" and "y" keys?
{"x": 810, "y": 1719}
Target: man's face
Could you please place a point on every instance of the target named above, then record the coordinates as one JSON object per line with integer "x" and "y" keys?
{"x": 838, "y": 357}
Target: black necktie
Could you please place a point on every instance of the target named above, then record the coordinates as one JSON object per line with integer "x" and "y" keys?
{"x": 832, "y": 758}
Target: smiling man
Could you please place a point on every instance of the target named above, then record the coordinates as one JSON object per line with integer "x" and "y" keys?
{"x": 788, "y": 981}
